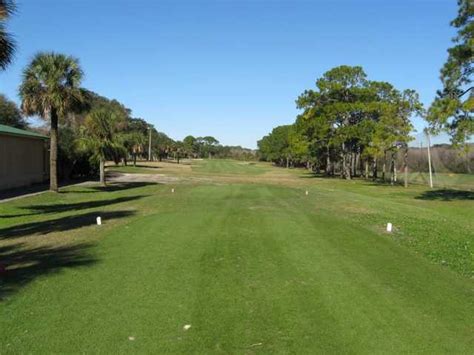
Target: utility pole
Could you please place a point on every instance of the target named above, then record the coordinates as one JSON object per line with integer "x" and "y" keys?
{"x": 429, "y": 158}
{"x": 149, "y": 143}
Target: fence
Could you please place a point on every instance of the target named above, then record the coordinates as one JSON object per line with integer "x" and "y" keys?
{"x": 450, "y": 167}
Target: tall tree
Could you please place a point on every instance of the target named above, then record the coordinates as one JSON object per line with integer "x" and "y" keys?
{"x": 340, "y": 103}
{"x": 7, "y": 44}
{"x": 99, "y": 137}
{"x": 453, "y": 108}
{"x": 50, "y": 89}
{"x": 10, "y": 114}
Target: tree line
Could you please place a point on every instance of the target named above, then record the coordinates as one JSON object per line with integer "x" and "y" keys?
{"x": 348, "y": 122}
{"x": 350, "y": 125}
{"x": 88, "y": 129}
{"x": 85, "y": 128}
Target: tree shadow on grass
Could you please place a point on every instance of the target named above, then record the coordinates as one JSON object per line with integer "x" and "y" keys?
{"x": 446, "y": 195}
{"x": 61, "y": 207}
{"x": 59, "y": 224}
{"x": 25, "y": 265}
{"x": 111, "y": 187}
{"x": 146, "y": 166}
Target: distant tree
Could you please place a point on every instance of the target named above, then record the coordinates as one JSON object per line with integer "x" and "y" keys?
{"x": 298, "y": 146}
{"x": 178, "y": 150}
{"x": 190, "y": 145}
{"x": 10, "y": 114}
{"x": 207, "y": 146}
{"x": 50, "y": 89}
{"x": 453, "y": 108}
{"x": 275, "y": 146}
{"x": 7, "y": 44}
{"x": 161, "y": 144}
{"x": 99, "y": 137}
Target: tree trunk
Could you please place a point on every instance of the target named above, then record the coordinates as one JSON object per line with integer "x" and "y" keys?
{"x": 394, "y": 168}
{"x": 353, "y": 164}
{"x": 134, "y": 159}
{"x": 405, "y": 167}
{"x": 384, "y": 166}
{"x": 287, "y": 162}
{"x": 367, "y": 168}
{"x": 357, "y": 163}
{"x": 328, "y": 161}
{"x": 102, "y": 172}
{"x": 53, "y": 152}
{"x": 374, "y": 169}
{"x": 346, "y": 168}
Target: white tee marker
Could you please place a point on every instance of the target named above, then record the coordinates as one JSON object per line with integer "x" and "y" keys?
{"x": 187, "y": 326}
{"x": 99, "y": 221}
{"x": 389, "y": 227}
{"x": 306, "y": 193}
{"x": 172, "y": 190}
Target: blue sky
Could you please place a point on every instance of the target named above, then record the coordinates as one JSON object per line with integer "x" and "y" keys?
{"x": 229, "y": 68}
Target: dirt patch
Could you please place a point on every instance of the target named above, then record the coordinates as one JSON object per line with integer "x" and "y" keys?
{"x": 116, "y": 177}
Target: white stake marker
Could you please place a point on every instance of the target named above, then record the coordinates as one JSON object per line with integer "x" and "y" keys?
{"x": 389, "y": 227}
{"x": 307, "y": 193}
{"x": 99, "y": 221}
{"x": 172, "y": 190}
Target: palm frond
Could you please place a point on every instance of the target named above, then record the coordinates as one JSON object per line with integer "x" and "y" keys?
{"x": 7, "y": 8}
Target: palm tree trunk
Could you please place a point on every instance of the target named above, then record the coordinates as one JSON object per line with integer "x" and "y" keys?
{"x": 53, "y": 152}
{"x": 102, "y": 172}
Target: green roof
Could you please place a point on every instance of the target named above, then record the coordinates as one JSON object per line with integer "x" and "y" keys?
{"x": 12, "y": 131}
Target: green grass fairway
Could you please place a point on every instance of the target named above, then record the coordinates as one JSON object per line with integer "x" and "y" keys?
{"x": 228, "y": 167}
{"x": 244, "y": 257}
{"x": 444, "y": 180}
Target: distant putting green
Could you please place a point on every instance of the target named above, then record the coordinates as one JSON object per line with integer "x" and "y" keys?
{"x": 246, "y": 259}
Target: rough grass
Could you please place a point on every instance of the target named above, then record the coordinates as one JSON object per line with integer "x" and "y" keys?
{"x": 248, "y": 260}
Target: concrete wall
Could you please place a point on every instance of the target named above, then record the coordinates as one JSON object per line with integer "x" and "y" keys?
{"x": 23, "y": 161}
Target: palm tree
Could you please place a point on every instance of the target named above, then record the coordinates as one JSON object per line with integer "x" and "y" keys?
{"x": 50, "y": 89}
{"x": 99, "y": 137}
{"x": 7, "y": 44}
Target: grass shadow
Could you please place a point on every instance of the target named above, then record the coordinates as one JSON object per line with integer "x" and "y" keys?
{"x": 23, "y": 265}
{"x": 146, "y": 166}
{"x": 61, "y": 207}
{"x": 446, "y": 195}
{"x": 121, "y": 186}
{"x": 111, "y": 187}
{"x": 59, "y": 224}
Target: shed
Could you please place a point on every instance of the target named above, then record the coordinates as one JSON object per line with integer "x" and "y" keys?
{"x": 23, "y": 157}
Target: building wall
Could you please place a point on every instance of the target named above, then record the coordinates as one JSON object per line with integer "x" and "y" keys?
{"x": 23, "y": 161}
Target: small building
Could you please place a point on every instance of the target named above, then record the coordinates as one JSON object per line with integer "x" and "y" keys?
{"x": 24, "y": 157}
